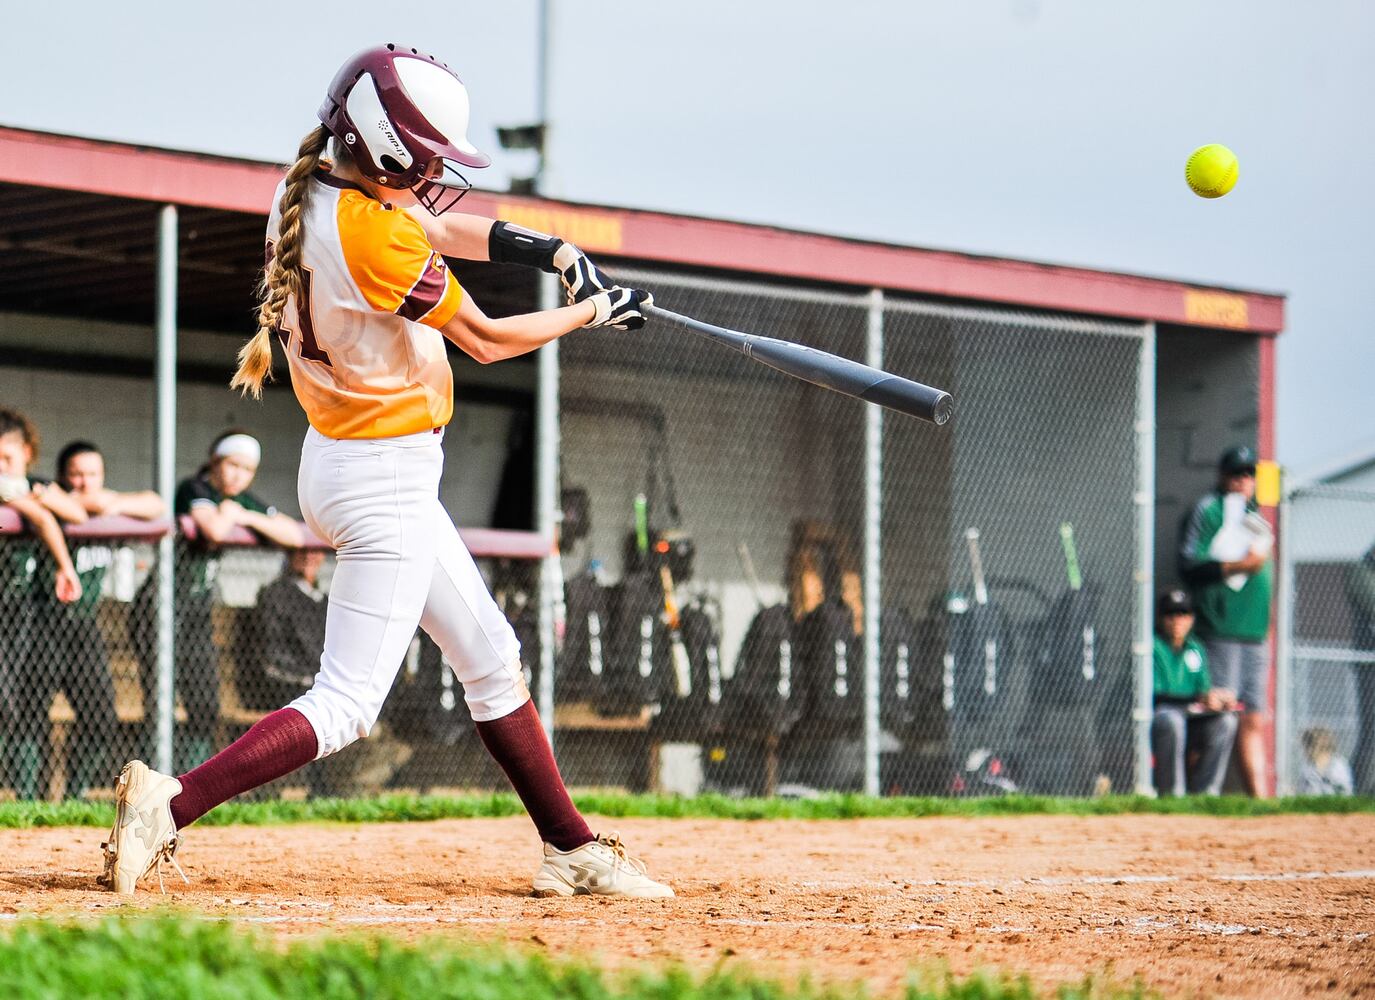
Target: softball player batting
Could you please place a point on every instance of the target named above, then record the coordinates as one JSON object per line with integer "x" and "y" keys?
{"x": 357, "y": 290}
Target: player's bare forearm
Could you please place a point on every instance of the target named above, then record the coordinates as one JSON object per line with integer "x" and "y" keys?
{"x": 45, "y": 526}
{"x": 144, "y": 505}
{"x": 275, "y": 527}
{"x": 213, "y": 525}
{"x": 487, "y": 340}
{"x": 456, "y": 235}
{"x": 65, "y": 506}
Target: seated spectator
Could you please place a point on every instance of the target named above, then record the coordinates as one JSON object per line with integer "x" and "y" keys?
{"x": 1194, "y": 723}
{"x": 218, "y": 500}
{"x": 22, "y": 728}
{"x": 1325, "y": 772}
{"x": 279, "y": 656}
{"x": 285, "y": 633}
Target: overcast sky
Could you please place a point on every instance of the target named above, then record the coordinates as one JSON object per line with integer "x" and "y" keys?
{"x": 1049, "y": 129}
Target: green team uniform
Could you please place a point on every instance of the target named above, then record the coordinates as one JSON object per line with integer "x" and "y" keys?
{"x": 63, "y": 650}
{"x": 1223, "y": 613}
{"x": 197, "y": 567}
{"x": 18, "y": 563}
{"x": 1179, "y": 736}
{"x": 17, "y": 567}
{"x": 92, "y": 562}
{"x": 1181, "y": 675}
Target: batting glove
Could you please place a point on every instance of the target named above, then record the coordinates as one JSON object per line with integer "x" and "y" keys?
{"x": 581, "y": 278}
{"x": 620, "y": 308}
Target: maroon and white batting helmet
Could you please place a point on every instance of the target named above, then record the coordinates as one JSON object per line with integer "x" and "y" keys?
{"x": 403, "y": 116}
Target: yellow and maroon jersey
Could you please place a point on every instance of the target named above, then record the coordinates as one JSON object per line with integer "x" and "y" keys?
{"x": 366, "y": 355}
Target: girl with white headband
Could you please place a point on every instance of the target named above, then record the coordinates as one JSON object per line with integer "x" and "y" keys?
{"x": 358, "y": 292}
{"x": 217, "y": 499}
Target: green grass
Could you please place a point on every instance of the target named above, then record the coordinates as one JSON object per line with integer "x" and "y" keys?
{"x": 167, "y": 957}
{"x": 407, "y": 808}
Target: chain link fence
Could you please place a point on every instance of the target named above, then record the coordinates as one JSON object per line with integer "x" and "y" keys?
{"x": 1325, "y": 712}
{"x": 767, "y": 588}
{"x": 733, "y": 539}
{"x": 79, "y": 681}
{"x": 69, "y": 678}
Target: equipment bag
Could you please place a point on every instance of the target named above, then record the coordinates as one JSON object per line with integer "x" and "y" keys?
{"x": 583, "y": 661}
{"x": 832, "y": 663}
{"x": 905, "y": 698}
{"x": 1065, "y": 666}
{"x": 637, "y": 657}
{"x": 695, "y": 716}
{"x": 762, "y": 697}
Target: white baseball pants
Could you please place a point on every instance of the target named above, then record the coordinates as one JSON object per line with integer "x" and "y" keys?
{"x": 400, "y": 563}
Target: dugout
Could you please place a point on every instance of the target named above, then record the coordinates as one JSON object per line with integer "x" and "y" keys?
{"x": 1086, "y": 397}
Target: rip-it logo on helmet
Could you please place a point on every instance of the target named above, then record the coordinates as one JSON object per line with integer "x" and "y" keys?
{"x": 404, "y": 116}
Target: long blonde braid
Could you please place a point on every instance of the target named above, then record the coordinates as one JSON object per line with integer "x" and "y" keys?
{"x": 282, "y": 275}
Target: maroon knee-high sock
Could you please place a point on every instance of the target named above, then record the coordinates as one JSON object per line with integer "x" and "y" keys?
{"x": 276, "y": 745}
{"x": 518, "y": 744}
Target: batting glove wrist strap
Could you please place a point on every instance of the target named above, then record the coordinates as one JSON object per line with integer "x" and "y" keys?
{"x": 581, "y": 278}
{"x": 619, "y": 308}
{"x": 508, "y": 243}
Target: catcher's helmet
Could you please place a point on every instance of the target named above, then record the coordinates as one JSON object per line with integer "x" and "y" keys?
{"x": 403, "y": 116}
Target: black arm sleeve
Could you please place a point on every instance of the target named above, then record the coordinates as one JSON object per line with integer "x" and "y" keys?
{"x": 508, "y": 243}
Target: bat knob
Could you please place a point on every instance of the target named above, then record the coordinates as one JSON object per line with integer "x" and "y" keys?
{"x": 942, "y": 409}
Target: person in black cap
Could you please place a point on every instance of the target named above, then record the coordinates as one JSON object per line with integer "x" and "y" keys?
{"x": 1192, "y": 718}
{"x": 1224, "y": 559}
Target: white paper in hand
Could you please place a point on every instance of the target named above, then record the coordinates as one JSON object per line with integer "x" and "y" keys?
{"x": 1241, "y": 534}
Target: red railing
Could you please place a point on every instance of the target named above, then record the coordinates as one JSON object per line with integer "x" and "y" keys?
{"x": 483, "y": 543}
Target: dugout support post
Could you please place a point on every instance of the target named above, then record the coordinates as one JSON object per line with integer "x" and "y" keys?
{"x": 1143, "y": 677}
{"x": 166, "y": 380}
{"x": 548, "y": 511}
{"x": 873, "y": 548}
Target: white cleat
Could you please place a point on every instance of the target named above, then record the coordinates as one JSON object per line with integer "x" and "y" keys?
{"x": 599, "y": 868}
{"x": 143, "y": 836}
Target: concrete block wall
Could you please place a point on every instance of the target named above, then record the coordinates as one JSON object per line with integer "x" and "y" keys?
{"x": 117, "y": 411}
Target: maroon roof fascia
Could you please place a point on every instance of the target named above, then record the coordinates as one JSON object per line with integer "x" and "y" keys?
{"x": 56, "y": 161}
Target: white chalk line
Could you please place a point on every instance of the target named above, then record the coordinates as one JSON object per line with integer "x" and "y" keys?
{"x": 424, "y": 913}
{"x": 1071, "y": 880}
{"x": 890, "y": 885}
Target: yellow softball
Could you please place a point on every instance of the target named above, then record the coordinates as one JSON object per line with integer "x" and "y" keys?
{"x": 1211, "y": 171}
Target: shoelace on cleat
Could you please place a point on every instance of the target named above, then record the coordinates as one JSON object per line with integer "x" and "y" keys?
{"x": 613, "y": 842}
{"x": 107, "y": 876}
{"x": 168, "y": 853}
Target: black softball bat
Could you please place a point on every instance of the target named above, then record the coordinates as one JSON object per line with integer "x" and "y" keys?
{"x": 826, "y": 370}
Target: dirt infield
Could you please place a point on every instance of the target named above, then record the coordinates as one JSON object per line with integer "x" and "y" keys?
{"x": 1275, "y": 907}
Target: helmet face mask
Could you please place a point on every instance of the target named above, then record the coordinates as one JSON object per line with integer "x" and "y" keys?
{"x": 403, "y": 117}
{"x": 441, "y": 187}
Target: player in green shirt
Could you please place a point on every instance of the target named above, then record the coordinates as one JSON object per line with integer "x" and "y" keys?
{"x": 22, "y": 726}
{"x": 74, "y": 658}
{"x": 1190, "y": 714}
{"x": 1234, "y": 621}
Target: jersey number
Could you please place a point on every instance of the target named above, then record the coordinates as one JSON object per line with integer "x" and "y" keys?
{"x": 310, "y": 347}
